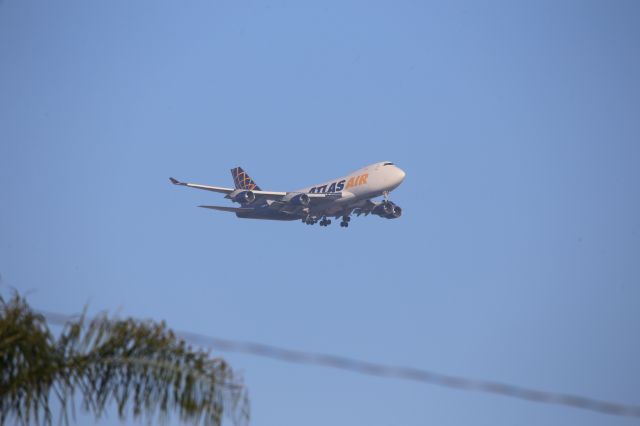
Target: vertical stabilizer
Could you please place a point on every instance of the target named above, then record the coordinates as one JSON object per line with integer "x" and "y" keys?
{"x": 242, "y": 180}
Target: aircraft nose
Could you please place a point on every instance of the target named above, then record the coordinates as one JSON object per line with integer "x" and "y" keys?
{"x": 400, "y": 174}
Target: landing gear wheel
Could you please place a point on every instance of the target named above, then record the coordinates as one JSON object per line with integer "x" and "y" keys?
{"x": 324, "y": 221}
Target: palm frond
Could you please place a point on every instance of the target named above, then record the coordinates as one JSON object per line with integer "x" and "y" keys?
{"x": 140, "y": 366}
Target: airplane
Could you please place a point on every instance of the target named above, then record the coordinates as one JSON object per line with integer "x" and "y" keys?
{"x": 342, "y": 197}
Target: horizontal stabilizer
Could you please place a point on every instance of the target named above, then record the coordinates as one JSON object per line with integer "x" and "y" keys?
{"x": 229, "y": 209}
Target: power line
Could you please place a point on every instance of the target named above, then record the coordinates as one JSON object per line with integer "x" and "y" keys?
{"x": 398, "y": 372}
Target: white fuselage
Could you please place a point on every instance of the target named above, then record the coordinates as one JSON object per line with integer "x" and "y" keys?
{"x": 363, "y": 184}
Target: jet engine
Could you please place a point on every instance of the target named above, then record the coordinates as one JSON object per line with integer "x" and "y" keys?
{"x": 300, "y": 200}
{"x": 388, "y": 210}
{"x": 245, "y": 197}
{"x": 297, "y": 199}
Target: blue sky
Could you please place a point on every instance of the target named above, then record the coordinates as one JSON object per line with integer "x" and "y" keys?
{"x": 517, "y": 257}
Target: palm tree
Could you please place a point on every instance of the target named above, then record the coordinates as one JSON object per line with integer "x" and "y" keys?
{"x": 141, "y": 367}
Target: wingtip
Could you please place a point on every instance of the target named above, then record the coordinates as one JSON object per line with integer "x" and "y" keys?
{"x": 174, "y": 181}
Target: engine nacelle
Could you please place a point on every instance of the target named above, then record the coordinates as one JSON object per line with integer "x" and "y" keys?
{"x": 244, "y": 197}
{"x": 388, "y": 210}
{"x": 300, "y": 199}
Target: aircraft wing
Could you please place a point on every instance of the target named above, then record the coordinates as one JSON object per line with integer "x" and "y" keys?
{"x": 269, "y": 195}
{"x": 314, "y": 201}
{"x": 326, "y": 196}
{"x": 319, "y": 199}
{"x": 314, "y": 198}
{"x": 229, "y": 209}
{"x": 219, "y": 189}
{"x": 265, "y": 195}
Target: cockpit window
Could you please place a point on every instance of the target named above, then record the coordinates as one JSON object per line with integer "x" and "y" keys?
{"x": 388, "y": 164}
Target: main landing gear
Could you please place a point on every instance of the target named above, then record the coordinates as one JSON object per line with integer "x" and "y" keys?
{"x": 325, "y": 221}
{"x": 309, "y": 220}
